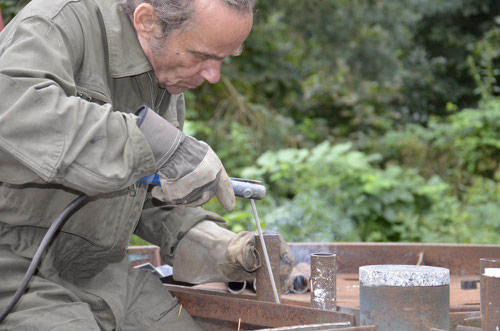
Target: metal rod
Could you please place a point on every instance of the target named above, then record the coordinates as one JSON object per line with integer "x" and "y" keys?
{"x": 264, "y": 249}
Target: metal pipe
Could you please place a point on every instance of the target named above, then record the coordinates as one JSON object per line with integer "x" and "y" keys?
{"x": 236, "y": 287}
{"x": 404, "y": 297}
{"x": 488, "y": 262}
{"x": 266, "y": 289}
{"x": 323, "y": 281}
{"x": 490, "y": 299}
{"x": 300, "y": 276}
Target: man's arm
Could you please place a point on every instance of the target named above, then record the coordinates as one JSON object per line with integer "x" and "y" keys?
{"x": 55, "y": 135}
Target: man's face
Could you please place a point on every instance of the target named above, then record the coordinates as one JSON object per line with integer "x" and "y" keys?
{"x": 195, "y": 54}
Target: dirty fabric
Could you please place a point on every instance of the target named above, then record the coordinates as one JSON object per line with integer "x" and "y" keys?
{"x": 141, "y": 301}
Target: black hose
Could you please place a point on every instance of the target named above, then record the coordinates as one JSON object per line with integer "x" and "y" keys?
{"x": 38, "y": 255}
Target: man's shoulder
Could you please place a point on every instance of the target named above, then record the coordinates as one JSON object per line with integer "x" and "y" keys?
{"x": 49, "y": 9}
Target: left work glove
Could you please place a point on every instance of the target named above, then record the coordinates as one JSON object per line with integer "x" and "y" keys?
{"x": 242, "y": 260}
{"x": 210, "y": 253}
{"x": 190, "y": 172}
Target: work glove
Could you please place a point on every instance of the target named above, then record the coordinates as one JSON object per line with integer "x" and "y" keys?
{"x": 190, "y": 173}
{"x": 242, "y": 259}
{"x": 211, "y": 253}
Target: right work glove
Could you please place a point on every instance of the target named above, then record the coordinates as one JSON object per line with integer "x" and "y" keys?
{"x": 190, "y": 172}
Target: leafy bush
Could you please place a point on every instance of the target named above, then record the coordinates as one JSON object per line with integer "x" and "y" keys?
{"x": 457, "y": 147}
{"x": 334, "y": 193}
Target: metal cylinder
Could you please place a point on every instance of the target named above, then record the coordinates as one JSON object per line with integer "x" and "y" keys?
{"x": 236, "y": 287}
{"x": 488, "y": 262}
{"x": 300, "y": 276}
{"x": 490, "y": 299}
{"x": 323, "y": 281}
{"x": 404, "y": 297}
{"x": 264, "y": 289}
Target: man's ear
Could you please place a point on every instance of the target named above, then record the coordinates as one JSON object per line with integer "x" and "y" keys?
{"x": 145, "y": 22}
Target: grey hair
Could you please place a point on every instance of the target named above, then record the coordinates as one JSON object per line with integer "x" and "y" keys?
{"x": 175, "y": 14}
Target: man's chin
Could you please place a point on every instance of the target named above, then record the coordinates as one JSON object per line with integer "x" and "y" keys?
{"x": 176, "y": 89}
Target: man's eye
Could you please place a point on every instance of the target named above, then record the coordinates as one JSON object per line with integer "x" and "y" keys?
{"x": 202, "y": 57}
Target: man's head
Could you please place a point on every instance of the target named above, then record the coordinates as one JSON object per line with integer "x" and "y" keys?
{"x": 186, "y": 40}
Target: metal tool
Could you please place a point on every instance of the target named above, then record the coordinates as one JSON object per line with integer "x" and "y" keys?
{"x": 248, "y": 189}
{"x": 243, "y": 188}
{"x": 255, "y": 190}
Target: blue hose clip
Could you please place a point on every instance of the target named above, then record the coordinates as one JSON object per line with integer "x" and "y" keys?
{"x": 151, "y": 179}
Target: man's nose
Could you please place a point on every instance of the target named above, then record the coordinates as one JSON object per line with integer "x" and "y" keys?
{"x": 211, "y": 72}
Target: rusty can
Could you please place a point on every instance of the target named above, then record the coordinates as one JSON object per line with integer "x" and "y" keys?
{"x": 323, "y": 281}
{"x": 263, "y": 286}
{"x": 490, "y": 299}
{"x": 404, "y": 297}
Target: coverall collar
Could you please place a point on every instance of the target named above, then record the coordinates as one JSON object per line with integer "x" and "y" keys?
{"x": 126, "y": 57}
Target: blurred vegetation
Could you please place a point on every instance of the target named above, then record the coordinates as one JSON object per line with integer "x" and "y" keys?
{"x": 10, "y": 8}
{"x": 371, "y": 120}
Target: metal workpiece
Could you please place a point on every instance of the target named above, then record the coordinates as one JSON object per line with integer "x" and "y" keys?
{"x": 250, "y": 313}
{"x": 490, "y": 299}
{"x": 138, "y": 255}
{"x": 484, "y": 263}
{"x": 248, "y": 189}
{"x": 300, "y": 277}
{"x": 264, "y": 287}
{"x": 236, "y": 287}
{"x": 323, "y": 281}
{"x": 404, "y": 297}
{"x": 488, "y": 262}
{"x": 467, "y": 328}
{"x": 465, "y": 319}
{"x": 403, "y": 275}
{"x": 318, "y": 327}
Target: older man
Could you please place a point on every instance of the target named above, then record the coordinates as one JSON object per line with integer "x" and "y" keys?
{"x": 91, "y": 101}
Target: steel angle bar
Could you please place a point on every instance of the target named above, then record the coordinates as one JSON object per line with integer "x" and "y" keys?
{"x": 266, "y": 314}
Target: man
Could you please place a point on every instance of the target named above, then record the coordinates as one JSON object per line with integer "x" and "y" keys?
{"x": 91, "y": 102}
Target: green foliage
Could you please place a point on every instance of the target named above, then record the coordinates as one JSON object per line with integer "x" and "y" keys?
{"x": 482, "y": 62}
{"x": 335, "y": 193}
{"x": 457, "y": 148}
{"x": 331, "y": 192}
{"x": 138, "y": 241}
{"x": 10, "y": 8}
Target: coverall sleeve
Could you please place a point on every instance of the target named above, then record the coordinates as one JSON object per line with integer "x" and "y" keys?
{"x": 47, "y": 133}
{"x": 165, "y": 226}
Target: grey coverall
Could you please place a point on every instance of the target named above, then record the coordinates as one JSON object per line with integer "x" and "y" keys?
{"x": 72, "y": 72}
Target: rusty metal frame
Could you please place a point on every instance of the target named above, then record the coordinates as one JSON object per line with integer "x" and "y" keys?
{"x": 260, "y": 313}
{"x": 460, "y": 259}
